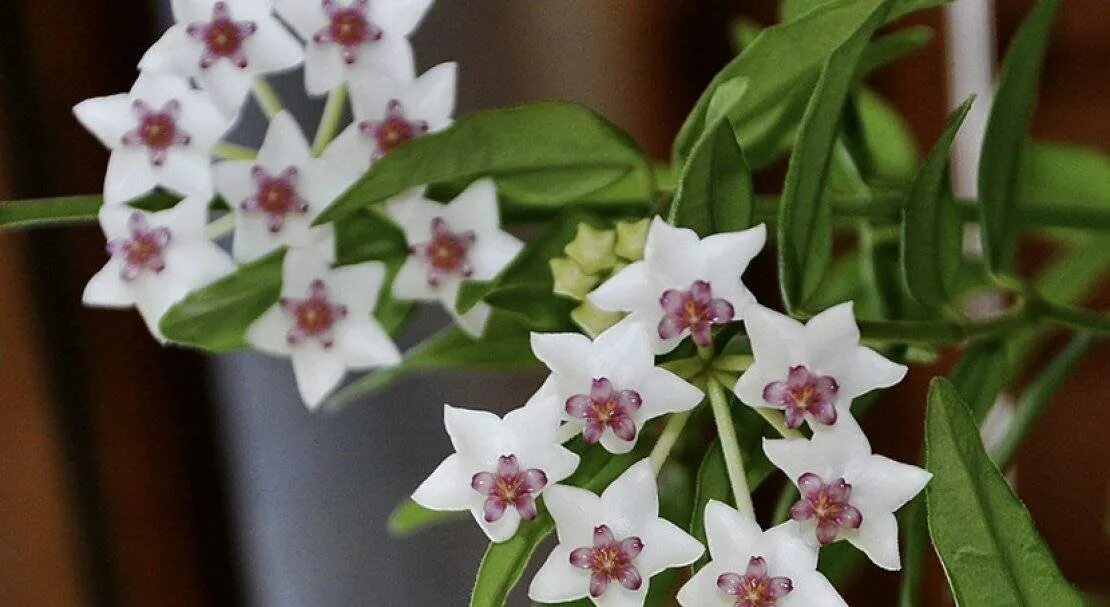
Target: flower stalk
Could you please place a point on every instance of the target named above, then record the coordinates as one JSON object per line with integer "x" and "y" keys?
{"x": 730, "y": 446}
{"x": 329, "y": 121}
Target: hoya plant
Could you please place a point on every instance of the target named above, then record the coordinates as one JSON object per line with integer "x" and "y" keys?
{"x": 672, "y": 392}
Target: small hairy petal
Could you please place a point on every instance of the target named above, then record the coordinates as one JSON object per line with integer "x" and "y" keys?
{"x": 599, "y": 582}
{"x": 794, "y": 417}
{"x": 810, "y": 485}
{"x": 850, "y": 518}
{"x": 630, "y": 401}
{"x": 507, "y": 466}
{"x": 629, "y": 577}
{"x": 730, "y": 583}
{"x": 672, "y": 301}
{"x": 494, "y": 509}
{"x": 601, "y": 390}
{"x": 593, "y": 431}
{"x": 840, "y": 491}
{"x": 671, "y": 327}
{"x": 824, "y": 411}
{"x": 579, "y": 405}
{"x": 798, "y": 377}
{"x": 801, "y": 511}
{"x": 702, "y": 334}
{"x": 603, "y": 536}
{"x": 623, "y": 427}
{"x": 720, "y": 311}
{"x": 581, "y": 558}
{"x": 757, "y": 567}
{"x": 631, "y": 548}
{"x": 826, "y": 532}
{"x": 775, "y": 392}
{"x": 526, "y": 507}
{"x": 701, "y": 292}
{"x": 534, "y": 480}
{"x": 780, "y": 587}
{"x": 484, "y": 483}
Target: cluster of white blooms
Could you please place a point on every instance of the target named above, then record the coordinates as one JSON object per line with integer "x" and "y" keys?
{"x": 166, "y": 134}
{"x": 610, "y": 545}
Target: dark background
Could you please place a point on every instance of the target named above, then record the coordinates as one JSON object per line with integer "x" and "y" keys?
{"x": 134, "y": 475}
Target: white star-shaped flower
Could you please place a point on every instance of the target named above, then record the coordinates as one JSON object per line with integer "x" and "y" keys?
{"x": 610, "y": 546}
{"x": 157, "y": 259}
{"x": 277, "y": 196}
{"x": 224, "y": 45}
{"x": 846, "y": 492}
{"x": 451, "y": 243}
{"x": 610, "y": 387}
{"x": 499, "y": 468}
{"x": 811, "y": 371}
{"x": 325, "y": 322}
{"x": 389, "y": 113}
{"x": 752, "y": 567}
{"x": 350, "y": 40}
{"x": 160, "y": 134}
{"x": 684, "y": 285}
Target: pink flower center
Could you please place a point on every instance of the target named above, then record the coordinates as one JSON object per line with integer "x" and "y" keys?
{"x": 276, "y": 196}
{"x": 508, "y": 486}
{"x": 313, "y": 317}
{"x": 755, "y": 588}
{"x": 348, "y": 27}
{"x": 157, "y": 130}
{"x": 829, "y": 504}
{"x": 223, "y": 38}
{"x": 446, "y": 252}
{"x": 608, "y": 560}
{"x": 695, "y": 310}
{"x": 605, "y": 407}
{"x": 804, "y": 392}
{"x": 394, "y": 130}
{"x": 143, "y": 251}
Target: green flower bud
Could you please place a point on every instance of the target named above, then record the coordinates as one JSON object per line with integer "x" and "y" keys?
{"x": 631, "y": 238}
{"x": 593, "y": 320}
{"x": 570, "y": 280}
{"x": 592, "y": 249}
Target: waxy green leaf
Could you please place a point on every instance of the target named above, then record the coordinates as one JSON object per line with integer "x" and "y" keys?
{"x": 805, "y": 227}
{"x": 409, "y": 518}
{"x": 980, "y": 375}
{"x": 518, "y": 144}
{"x": 216, "y": 318}
{"x": 714, "y": 192}
{"x": 792, "y": 9}
{"x": 1005, "y": 138}
{"x": 991, "y": 552}
{"x": 368, "y": 234}
{"x": 69, "y": 210}
{"x": 932, "y": 234}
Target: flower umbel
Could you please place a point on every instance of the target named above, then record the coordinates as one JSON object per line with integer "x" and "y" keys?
{"x": 694, "y": 310}
{"x": 609, "y": 559}
{"x": 509, "y": 486}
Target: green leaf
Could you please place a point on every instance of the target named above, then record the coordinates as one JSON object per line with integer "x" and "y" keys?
{"x": 714, "y": 191}
{"x": 504, "y": 347}
{"x": 68, "y": 210}
{"x": 567, "y": 138}
{"x": 504, "y": 564}
{"x": 980, "y": 376}
{"x": 216, "y": 318}
{"x": 932, "y": 234}
{"x": 894, "y": 46}
{"x": 557, "y": 187}
{"x": 780, "y": 59}
{"x": 792, "y": 9}
{"x": 805, "y": 227}
{"x": 367, "y": 234}
{"x": 1005, "y": 137}
{"x": 886, "y": 135}
{"x": 1057, "y": 180}
{"x": 991, "y": 552}
{"x": 409, "y": 518}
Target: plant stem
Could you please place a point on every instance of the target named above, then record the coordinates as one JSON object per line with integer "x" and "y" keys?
{"x": 667, "y": 439}
{"x": 220, "y": 227}
{"x": 946, "y": 331}
{"x": 778, "y": 422}
{"x": 787, "y": 499}
{"x": 231, "y": 151}
{"x": 1038, "y": 396}
{"x": 732, "y": 363}
{"x": 267, "y": 98}
{"x": 730, "y": 446}
{"x": 329, "y": 121}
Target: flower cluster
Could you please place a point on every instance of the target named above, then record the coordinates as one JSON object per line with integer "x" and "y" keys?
{"x": 168, "y": 135}
{"x": 608, "y": 388}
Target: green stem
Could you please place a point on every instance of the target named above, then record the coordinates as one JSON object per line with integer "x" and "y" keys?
{"x": 220, "y": 227}
{"x": 1076, "y": 318}
{"x": 730, "y": 446}
{"x": 1038, "y": 396}
{"x": 329, "y": 121}
{"x": 732, "y": 363}
{"x": 231, "y": 151}
{"x": 787, "y": 498}
{"x": 667, "y": 440}
{"x": 267, "y": 98}
{"x": 945, "y": 331}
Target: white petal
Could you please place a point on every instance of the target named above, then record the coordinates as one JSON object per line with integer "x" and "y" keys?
{"x": 269, "y": 333}
{"x": 414, "y": 215}
{"x": 558, "y": 581}
{"x": 629, "y": 289}
{"x": 862, "y": 370}
{"x": 773, "y": 336}
{"x": 318, "y": 372}
{"x": 537, "y": 424}
{"x": 448, "y": 487}
{"x": 370, "y": 94}
{"x": 324, "y": 68}
{"x": 272, "y": 48}
{"x": 619, "y": 596}
{"x": 666, "y": 242}
{"x": 129, "y": 176}
{"x": 299, "y": 269}
{"x": 202, "y": 119}
{"x": 733, "y": 251}
{"x": 390, "y": 56}
{"x": 702, "y": 591}
{"x": 348, "y": 155}
{"x": 795, "y": 457}
{"x": 885, "y": 483}
{"x": 198, "y": 264}
{"x": 357, "y": 286}
{"x": 232, "y": 180}
{"x": 575, "y": 512}
{"x": 749, "y": 388}
{"x": 788, "y": 551}
{"x": 812, "y": 590}
{"x": 188, "y": 11}
{"x": 156, "y": 88}
{"x": 563, "y": 353}
{"x": 475, "y": 208}
{"x": 434, "y": 93}
{"x": 634, "y": 493}
{"x": 188, "y": 173}
{"x": 411, "y": 281}
{"x": 877, "y": 537}
{"x": 501, "y": 530}
{"x": 491, "y": 253}
{"x": 366, "y": 345}
{"x": 306, "y": 17}
{"x": 728, "y": 532}
{"x": 666, "y": 546}
{"x": 473, "y": 323}
{"x": 831, "y": 334}
{"x": 174, "y": 53}
{"x": 664, "y": 392}
{"x": 842, "y": 442}
{"x": 399, "y": 17}
{"x": 623, "y": 351}
{"x": 108, "y": 118}
{"x": 285, "y": 145}
{"x": 472, "y": 431}
{"x": 107, "y": 290}
{"x": 228, "y": 86}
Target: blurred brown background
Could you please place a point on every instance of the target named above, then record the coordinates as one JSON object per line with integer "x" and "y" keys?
{"x": 122, "y": 473}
